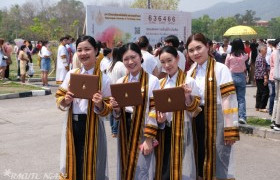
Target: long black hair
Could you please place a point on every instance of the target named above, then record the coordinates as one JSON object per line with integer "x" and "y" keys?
{"x": 116, "y": 57}
{"x": 237, "y": 48}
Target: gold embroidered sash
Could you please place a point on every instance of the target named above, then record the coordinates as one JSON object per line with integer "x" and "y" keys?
{"x": 210, "y": 118}
{"x": 130, "y": 142}
{"x": 177, "y": 139}
{"x": 91, "y": 140}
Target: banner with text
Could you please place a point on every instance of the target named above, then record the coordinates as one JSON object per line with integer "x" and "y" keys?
{"x": 114, "y": 24}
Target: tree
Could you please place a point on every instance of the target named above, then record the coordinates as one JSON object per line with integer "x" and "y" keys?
{"x": 222, "y": 25}
{"x": 157, "y": 4}
{"x": 247, "y": 19}
{"x": 203, "y": 25}
{"x": 261, "y": 31}
{"x": 274, "y": 28}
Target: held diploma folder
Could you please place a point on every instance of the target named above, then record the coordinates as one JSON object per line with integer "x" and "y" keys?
{"x": 127, "y": 94}
{"x": 169, "y": 99}
{"x": 83, "y": 86}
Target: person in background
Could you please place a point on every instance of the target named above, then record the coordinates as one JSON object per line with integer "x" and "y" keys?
{"x": 23, "y": 57}
{"x": 224, "y": 50}
{"x": 247, "y": 50}
{"x": 214, "y": 52}
{"x": 8, "y": 49}
{"x": 172, "y": 40}
{"x": 235, "y": 61}
{"x": 216, "y": 126}
{"x": 254, "y": 54}
{"x": 150, "y": 63}
{"x": 83, "y": 143}
{"x": 261, "y": 77}
{"x": 269, "y": 52}
{"x": 3, "y": 59}
{"x": 181, "y": 47}
{"x": 271, "y": 82}
{"x": 106, "y": 61}
{"x": 115, "y": 71}
{"x": 100, "y": 46}
{"x": 29, "y": 49}
{"x": 62, "y": 66}
{"x": 45, "y": 54}
{"x": 76, "y": 63}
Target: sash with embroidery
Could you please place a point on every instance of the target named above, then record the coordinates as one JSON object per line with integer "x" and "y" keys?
{"x": 91, "y": 137}
{"x": 210, "y": 119}
{"x": 177, "y": 139}
{"x": 130, "y": 141}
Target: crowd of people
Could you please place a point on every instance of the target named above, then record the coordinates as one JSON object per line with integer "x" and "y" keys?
{"x": 195, "y": 143}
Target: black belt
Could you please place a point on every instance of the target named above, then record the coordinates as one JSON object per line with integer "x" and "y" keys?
{"x": 79, "y": 117}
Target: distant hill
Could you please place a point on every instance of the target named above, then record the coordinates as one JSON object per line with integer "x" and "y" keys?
{"x": 265, "y": 9}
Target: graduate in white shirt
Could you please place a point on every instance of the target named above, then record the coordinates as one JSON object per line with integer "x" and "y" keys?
{"x": 216, "y": 126}
{"x": 83, "y": 142}
{"x": 107, "y": 60}
{"x": 62, "y": 66}
{"x": 150, "y": 62}
{"x": 175, "y": 153}
{"x": 137, "y": 130}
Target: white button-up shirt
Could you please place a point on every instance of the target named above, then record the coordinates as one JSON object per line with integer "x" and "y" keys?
{"x": 200, "y": 80}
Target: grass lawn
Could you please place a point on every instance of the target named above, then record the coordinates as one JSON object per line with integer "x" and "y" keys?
{"x": 7, "y": 87}
{"x": 258, "y": 122}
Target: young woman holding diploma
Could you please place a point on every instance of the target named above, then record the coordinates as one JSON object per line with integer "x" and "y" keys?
{"x": 83, "y": 142}
{"x": 175, "y": 153}
{"x": 137, "y": 125}
{"x": 216, "y": 126}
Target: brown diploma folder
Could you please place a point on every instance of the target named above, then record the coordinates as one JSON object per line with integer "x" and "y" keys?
{"x": 169, "y": 99}
{"x": 83, "y": 86}
{"x": 127, "y": 94}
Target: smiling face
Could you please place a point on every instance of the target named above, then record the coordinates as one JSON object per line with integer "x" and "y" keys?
{"x": 86, "y": 54}
{"x": 132, "y": 62}
{"x": 198, "y": 52}
{"x": 169, "y": 62}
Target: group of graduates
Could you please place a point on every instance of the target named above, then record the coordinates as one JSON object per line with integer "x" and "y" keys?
{"x": 195, "y": 143}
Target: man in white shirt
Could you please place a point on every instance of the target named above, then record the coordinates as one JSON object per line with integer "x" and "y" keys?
{"x": 107, "y": 60}
{"x": 62, "y": 66}
{"x": 172, "y": 40}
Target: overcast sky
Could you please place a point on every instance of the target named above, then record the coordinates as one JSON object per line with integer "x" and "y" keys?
{"x": 185, "y": 5}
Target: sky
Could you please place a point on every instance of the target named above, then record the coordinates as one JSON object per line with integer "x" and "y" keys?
{"x": 184, "y": 5}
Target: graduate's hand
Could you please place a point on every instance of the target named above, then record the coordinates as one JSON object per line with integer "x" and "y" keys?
{"x": 147, "y": 147}
{"x": 98, "y": 100}
{"x": 161, "y": 117}
{"x": 229, "y": 142}
{"x": 187, "y": 91}
{"x": 69, "y": 97}
{"x": 115, "y": 105}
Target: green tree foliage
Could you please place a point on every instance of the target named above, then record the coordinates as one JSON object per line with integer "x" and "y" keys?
{"x": 221, "y": 25}
{"x": 247, "y": 19}
{"x": 157, "y": 4}
{"x": 203, "y": 24}
{"x": 41, "y": 21}
{"x": 274, "y": 28}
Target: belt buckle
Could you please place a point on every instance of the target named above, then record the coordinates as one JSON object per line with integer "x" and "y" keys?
{"x": 76, "y": 117}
